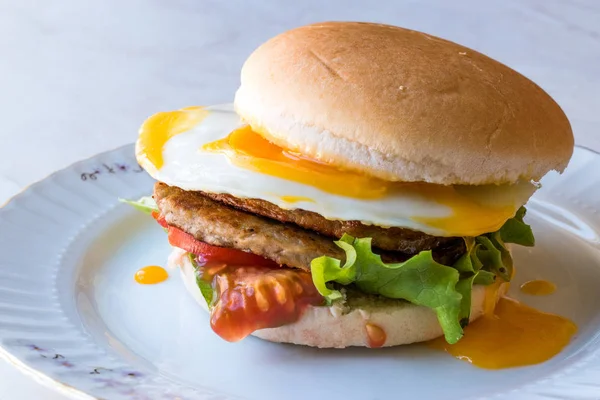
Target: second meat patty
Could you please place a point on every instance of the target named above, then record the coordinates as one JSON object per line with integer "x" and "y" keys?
{"x": 392, "y": 239}
{"x": 288, "y": 244}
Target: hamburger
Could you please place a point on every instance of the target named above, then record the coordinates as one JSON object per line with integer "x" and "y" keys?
{"x": 363, "y": 190}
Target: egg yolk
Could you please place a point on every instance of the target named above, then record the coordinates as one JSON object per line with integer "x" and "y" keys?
{"x": 151, "y": 275}
{"x": 249, "y": 150}
{"x": 511, "y": 335}
{"x": 159, "y": 128}
{"x": 296, "y": 199}
{"x": 538, "y": 288}
{"x": 468, "y": 217}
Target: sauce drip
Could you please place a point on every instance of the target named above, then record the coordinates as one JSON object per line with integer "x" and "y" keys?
{"x": 376, "y": 336}
{"x": 466, "y": 217}
{"x": 538, "y": 288}
{"x": 514, "y": 335}
{"x": 151, "y": 275}
{"x": 248, "y": 298}
{"x": 156, "y": 131}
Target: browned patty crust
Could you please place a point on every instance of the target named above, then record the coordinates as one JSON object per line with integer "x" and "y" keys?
{"x": 217, "y": 224}
{"x": 285, "y": 242}
{"x": 392, "y": 239}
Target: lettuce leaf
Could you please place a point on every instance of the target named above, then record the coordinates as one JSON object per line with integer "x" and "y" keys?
{"x": 516, "y": 231}
{"x": 145, "y": 204}
{"x": 469, "y": 262}
{"x": 469, "y": 266}
{"x": 205, "y": 287}
{"x": 484, "y": 278}
{"x": 420, "y": 280}
{"x": 465, "y": 288}
{"x": 327, "y": 269}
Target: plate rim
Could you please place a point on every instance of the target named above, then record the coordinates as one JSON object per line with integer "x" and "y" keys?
{"x": 11, "y": 359}
{"x": 73, "y": 392}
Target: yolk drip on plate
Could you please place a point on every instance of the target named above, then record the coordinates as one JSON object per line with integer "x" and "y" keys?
{"x": 151, "y": 275}
{"x": 538, "y": 288}
{"x": 512, "y": 335}
{"x": 468, "y": 217}
{"x": 159, "y": 128}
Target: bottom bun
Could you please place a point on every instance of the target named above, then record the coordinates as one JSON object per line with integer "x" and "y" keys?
{"x": 344, "y": 323}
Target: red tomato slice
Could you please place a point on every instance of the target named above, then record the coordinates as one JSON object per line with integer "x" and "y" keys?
{"x": 160, "y": 219}
{"x": 210, "y": 253}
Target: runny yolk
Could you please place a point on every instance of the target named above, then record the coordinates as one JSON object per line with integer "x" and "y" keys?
{"x": 249, "y": 150}
{"x": 468, "y": 217}
{"x": 538, "y": 288}
{"x": 296, "y": 199}
{"x": 151, "y": 274}
{"x": 512, "y": 335}
{"x": 161, "y": 127}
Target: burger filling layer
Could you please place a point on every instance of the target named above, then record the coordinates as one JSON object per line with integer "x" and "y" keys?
{"x": 259, "y": 266}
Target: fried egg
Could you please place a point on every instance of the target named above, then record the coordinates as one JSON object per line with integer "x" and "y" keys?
{"x": 211, "y": 149}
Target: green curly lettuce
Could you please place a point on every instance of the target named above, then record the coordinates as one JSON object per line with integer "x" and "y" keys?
{"x": 470, "y": 267}
{"x": 421, "y": 280}
{"x": 205, "y": 287}
{"x": 516, "y": 231}
{"x": 145, "y": 204}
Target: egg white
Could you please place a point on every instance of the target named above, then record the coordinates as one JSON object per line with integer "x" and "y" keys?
{"x": 187, "y": 166}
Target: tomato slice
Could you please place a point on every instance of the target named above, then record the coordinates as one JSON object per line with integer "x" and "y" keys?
{"x": 252, "y": 292}
{"x": 210, "y": 253}
{"x": 160, "y": 219}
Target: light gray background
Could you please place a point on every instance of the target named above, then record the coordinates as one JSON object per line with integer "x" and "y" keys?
{"x": 78, "y": 77}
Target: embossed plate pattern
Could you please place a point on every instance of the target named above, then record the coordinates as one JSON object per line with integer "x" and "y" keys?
{"x": 72, "y": 316}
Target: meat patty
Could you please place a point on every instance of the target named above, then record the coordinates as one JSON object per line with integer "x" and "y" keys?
{"x": 218, "y": 224}
{"x": 392, "y": 239}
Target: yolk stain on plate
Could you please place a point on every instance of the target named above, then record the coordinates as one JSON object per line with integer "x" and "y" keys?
{"x": 512, "y": 335}
{"x": 538, "y": 288}
{"x": 151, "y": 275}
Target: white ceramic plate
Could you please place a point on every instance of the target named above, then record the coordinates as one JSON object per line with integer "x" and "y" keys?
{"x": 72, "y": 315}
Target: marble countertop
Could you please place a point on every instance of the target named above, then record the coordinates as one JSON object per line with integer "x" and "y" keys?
{"x": 77, "y": 78}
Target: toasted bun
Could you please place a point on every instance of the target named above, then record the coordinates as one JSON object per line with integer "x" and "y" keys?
{"x": 401, "y": 105}
{"x": 344, "y": 323}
